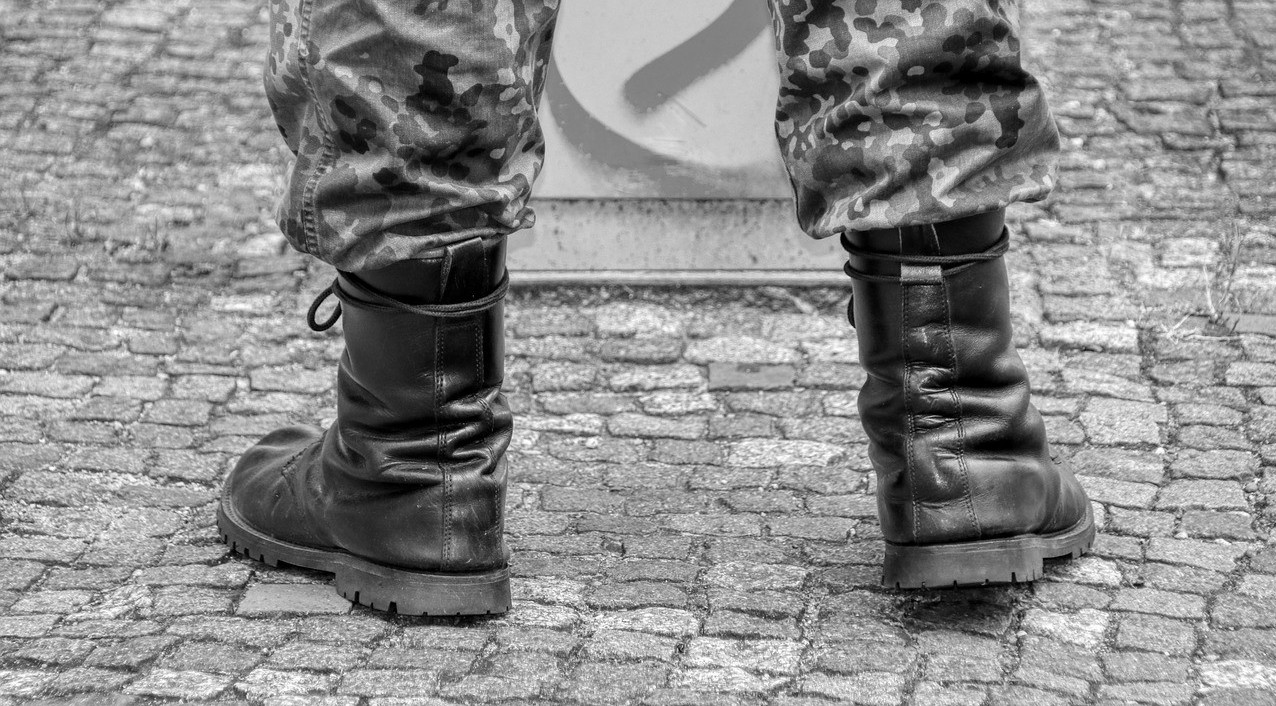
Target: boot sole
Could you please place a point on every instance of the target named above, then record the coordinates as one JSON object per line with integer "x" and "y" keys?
{"x": 989, "y": 561}
{"x": 374, "y": 585}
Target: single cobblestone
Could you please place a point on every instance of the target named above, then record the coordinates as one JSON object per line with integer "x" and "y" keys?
{"x": 181, "y": 685}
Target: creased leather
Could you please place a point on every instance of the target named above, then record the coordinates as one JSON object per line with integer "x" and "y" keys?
{"x": 959, "y": 450}
{"x": 412, "y": 473}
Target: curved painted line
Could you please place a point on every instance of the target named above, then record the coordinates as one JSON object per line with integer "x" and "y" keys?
{"x": 711, "y": 48}
{"x": 598, "y": 142}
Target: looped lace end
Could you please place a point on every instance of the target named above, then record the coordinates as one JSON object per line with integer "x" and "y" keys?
{"x": 962, "y": 262}
{"x": 320, "y": 326}
{"x": 368, "y": 298}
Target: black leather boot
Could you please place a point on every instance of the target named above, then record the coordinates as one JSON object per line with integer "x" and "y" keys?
{"x": 403, "y": 496}
{"x": 967, "y": 490}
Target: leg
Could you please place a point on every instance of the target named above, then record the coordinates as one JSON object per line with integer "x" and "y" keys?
{"x": 414, "y": 126}
{"x": 414, "y": 123}
{"x": 906, "y": 112}
{"x": 908, "y": 126}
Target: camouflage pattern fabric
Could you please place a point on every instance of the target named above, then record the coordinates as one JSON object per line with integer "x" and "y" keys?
{"x": 905, "y": 112}
{"x": 414, "y": 122}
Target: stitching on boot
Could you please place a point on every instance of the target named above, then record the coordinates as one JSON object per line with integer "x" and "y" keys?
{"x": 961, "y": 425}
{"x": 488, "y": 416}
{"x": 479, "y": 396}
{"x": 1059, "y": 468}
{"x": 478, "y": 350}
{"x": 908, "y": 412}
{"x": 291, "y": 463}
{"x": 444, "y": 473}
{"x": 962, "y": 466}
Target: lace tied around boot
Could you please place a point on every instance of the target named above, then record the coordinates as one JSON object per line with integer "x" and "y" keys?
{"x": 371, "y": 299}
{"x": 949, "y": 264}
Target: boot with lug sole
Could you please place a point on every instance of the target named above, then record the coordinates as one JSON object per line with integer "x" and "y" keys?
{"x": 968, "y": 492}
{"x": 402, "y": 498}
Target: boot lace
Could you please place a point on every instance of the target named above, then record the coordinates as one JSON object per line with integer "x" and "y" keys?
{"x": 960, "y": 263}
{"x": 369, "y": 298}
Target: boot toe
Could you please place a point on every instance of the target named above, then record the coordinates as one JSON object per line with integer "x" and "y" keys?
{"x": 1073, "y": 501}
{"x": 261, "y": 491}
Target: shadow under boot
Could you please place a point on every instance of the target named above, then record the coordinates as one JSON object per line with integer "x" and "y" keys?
{"x": 968, "y": 492}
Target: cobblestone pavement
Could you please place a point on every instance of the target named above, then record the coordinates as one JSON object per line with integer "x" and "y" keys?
{"x": 692, "y": 509}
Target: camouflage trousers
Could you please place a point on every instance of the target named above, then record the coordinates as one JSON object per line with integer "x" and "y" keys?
{"x": 414, "y": 122}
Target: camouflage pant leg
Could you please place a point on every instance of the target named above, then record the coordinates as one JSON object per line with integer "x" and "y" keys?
{"x": 901, "y": 112}
{"x": 413, "y": 122}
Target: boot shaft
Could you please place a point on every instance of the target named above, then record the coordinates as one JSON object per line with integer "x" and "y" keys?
{"x": 415, "y": 461}
{"x": 959, "y": 449}
{"x": 422, "y": 369}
